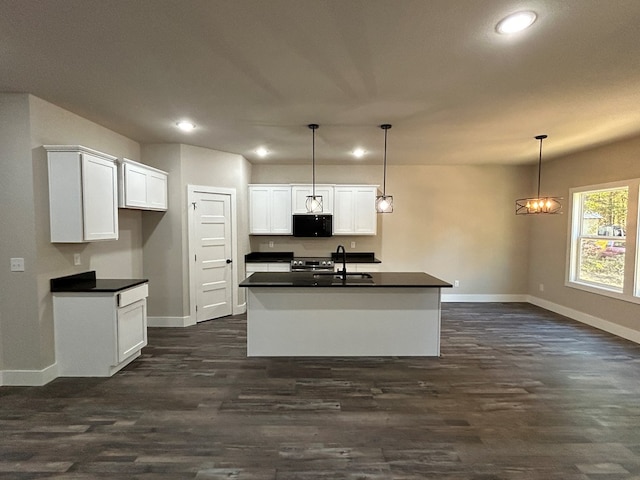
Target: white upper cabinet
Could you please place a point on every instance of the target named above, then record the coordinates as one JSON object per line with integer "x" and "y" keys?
{"x": 270, "y": 210}
{"x": 299, "y": 194}
{"x": 355, "y": 210}
{"x": 142, "y": 187}
{"x": 83, "y": 194}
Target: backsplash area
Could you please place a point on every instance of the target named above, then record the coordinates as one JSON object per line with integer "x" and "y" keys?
{"x": 315, "y": 247}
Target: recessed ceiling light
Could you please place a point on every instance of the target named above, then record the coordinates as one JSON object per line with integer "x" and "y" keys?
{"x": 516, "y": 22}
{"x": 262, "y": 152}
{"x": 359, "y": 152}
{"x": 185, "y": 125}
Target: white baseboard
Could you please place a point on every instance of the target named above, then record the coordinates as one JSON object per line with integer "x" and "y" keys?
{"x": 28, "y": 378}
{"x": 170, "y": 321}
{"x": 599, "y": 323}
{"x": 240, "y": 309}
{"x": 449, "y": 297}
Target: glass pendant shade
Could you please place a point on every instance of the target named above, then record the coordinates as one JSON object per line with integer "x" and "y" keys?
{"x": 384, "y": 202}
{"x": 313, "y": 203}
{"x": 539, "y": 205}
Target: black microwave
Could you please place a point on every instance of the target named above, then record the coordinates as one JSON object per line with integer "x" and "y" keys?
{"x": 311, "y": 225}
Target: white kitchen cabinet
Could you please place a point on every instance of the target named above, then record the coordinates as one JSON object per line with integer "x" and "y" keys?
{"x": 299, "y": 194}
{"x": 141, "y": 186}
{"x": 253, "y": 267}
{"x": 98, "y": 333}
{"x": 83, "y": 194}
{"x": 355, "y": 210}
{"x": 270, "y": 210}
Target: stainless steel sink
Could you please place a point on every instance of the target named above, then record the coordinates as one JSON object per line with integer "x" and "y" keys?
{"x": 337, "y": 279}
{"x": 350, "y": 276}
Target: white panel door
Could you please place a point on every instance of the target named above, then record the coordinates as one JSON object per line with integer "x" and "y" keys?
{"x": 212, "y": 229}
{"x": 100, "y": 198}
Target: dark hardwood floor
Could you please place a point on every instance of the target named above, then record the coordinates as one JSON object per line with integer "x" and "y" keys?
{"x": 519, "y": 393}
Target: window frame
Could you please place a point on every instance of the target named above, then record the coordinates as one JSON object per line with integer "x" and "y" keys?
{"x": 631, "y": 277}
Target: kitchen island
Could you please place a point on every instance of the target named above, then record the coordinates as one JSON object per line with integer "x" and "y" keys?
{"x": 328, "y": 314}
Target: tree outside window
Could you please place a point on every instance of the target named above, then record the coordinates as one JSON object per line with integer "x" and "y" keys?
{"x": 602, "y": 237}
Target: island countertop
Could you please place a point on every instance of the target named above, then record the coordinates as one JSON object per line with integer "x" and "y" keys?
{"x": 87, "y": 282}
{"x": 334, "y": 280}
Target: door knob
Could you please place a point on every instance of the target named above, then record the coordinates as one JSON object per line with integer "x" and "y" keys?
{"x": 229, "y": 260}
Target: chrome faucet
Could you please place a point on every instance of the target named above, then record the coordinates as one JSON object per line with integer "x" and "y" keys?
{"x": 342, "y": 272}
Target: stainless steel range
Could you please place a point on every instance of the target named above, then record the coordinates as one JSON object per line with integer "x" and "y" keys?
{"x": 311, "y": 264}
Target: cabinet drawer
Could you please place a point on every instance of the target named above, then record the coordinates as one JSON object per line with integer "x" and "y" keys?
{"x": 132, "y": 295}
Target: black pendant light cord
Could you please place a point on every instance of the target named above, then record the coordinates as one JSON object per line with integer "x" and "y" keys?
{"x": 540, "y": 137}
{"x": 385, "y": 127}
{"x": 313, "y": 127}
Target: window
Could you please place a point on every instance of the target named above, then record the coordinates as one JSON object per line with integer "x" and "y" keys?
{"x": 602, "y": 250}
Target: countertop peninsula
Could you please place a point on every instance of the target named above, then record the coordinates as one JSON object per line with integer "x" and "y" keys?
{"x": 334, "y": 280}
{"x": 87, "y": 282}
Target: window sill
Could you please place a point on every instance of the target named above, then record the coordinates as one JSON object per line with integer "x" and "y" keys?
{"x": 603, "y": 291}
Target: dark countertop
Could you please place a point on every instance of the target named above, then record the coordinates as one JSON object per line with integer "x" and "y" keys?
{"x": 285, "y": 257}
{"x": 87, "y": 282}
{"x": 271, "y": 257}
{"x": 367, "y": 280}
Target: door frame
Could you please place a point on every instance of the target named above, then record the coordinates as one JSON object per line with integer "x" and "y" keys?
{"x": 231, "y": 192}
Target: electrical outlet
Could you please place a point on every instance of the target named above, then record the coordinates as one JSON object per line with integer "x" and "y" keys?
{"x": 17, "y": 264}
{"x": 77, "y": 260}
{"x": 541, "y": 287}
{"x": 456, "y": 283}
{"x": 270, "y": 243}
{"x": 353, "y": 244}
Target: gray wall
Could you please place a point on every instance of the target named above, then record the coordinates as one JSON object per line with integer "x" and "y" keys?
{"x": 548, "y": 257}
{"x": 19, "y": 330}
{"x": 166, "y": 240}
{"x": 26, "y": 321}
{"x": 162, "y": 236}
{"x": 455, "y": 222}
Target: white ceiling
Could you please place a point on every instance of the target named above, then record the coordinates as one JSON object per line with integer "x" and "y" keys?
{"x": 254, "y": 73}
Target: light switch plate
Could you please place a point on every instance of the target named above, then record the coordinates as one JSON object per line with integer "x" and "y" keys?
{"x": 17, "y": 264}
{"x": 77, "y": 260}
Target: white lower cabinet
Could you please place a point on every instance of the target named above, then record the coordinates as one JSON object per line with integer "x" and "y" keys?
{"x": 358, "y": 267}
{"x": 253, "y": 267}
{"x": 97, "y": 334}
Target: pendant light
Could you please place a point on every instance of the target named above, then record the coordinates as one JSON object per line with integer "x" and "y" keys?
{"x": 384, "y": 202}
{"x": 537, "y": 205}
{"x": 313, "y": 202}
